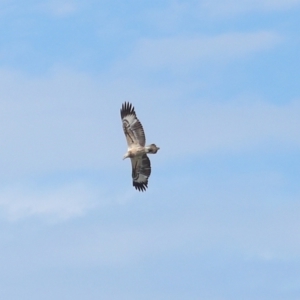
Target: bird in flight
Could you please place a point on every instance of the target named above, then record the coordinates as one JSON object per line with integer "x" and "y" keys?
{"x": 137, "y": 151}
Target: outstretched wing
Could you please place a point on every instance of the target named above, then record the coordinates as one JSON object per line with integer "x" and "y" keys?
{"x": 141, "y": 170}
{"x": 132, "y": 127}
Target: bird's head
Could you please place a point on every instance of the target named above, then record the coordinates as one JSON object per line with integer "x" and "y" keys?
{"x": 153, "y": 148}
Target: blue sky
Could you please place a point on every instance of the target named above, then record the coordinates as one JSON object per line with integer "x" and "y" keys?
{"x": 215, "y": 84}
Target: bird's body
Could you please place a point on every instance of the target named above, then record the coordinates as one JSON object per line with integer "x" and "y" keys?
{"x": 134, "y": 151}
{"x": 137, "y": 151}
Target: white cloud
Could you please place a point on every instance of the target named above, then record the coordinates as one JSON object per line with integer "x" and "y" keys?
{"x": 232, "y": 7}
{"x": 53, "y": 7}
{"x": 233, "y": 127}
{"x": 169, "y": 18}
{"x": 178, "y": 15}
{"x": 73, "y": 200}
{"x": 59, "y": 8}
{"x": 57, "y": 122}
{"x": 188, "y": 52}
{"x": 252, "y": 229}
{"x": 70, "y": 121}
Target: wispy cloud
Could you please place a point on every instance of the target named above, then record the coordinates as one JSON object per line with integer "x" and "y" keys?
{"x": 233, "y": 7}
{"x": 69, "y": 121}
{"x": 60, "y": 203}
{"x": 237, "y": 224}
{"x": 188, "y": 52}
{"x": 56, "y": 118}
{"x": 222, "y": 208}
{"x": 52, "y": 7}
{"x": 59, "y": 8}
{"x": 233, "y": 127}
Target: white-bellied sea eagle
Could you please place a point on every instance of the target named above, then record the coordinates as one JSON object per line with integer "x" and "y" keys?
{"x": 137, "y": 151}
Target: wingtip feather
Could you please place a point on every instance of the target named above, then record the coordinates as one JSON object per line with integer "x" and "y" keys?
{"x": 127, "y": 109}
{"x": 141, "y": 187}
